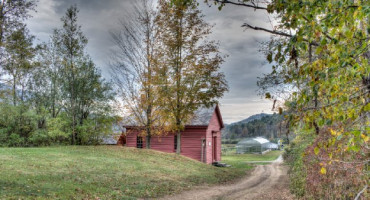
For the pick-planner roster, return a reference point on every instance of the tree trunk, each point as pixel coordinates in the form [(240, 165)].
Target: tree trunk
[(147, 142), (178, 149), (14, 91)]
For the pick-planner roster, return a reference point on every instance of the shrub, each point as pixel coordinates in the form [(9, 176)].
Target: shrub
[(334, 171), (59, 130), (4, 136), (40, 138), (293, 156), (15, 140)]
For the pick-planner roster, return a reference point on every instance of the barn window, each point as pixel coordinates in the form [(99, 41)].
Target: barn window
[(175, 142), (139, 142)]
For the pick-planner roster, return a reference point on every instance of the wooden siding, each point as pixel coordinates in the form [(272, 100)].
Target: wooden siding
[(163, 143), (131, 139), (191, 140), (214, 130)]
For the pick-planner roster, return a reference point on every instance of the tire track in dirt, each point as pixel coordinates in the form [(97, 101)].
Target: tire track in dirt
[(265, 182)]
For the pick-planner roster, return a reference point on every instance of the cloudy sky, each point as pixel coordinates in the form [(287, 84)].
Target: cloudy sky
[(244, 64)]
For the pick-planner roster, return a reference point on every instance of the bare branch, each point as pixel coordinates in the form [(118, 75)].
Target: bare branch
[(362, 191), (254, 6), (274, 32), (267, 30)]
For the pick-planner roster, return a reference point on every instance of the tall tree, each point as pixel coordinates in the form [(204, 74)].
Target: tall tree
[(188, 76), (12, 14), (47, 79), (83, 87), (19, 61), (46, 83), (133, 66), (71, 45)]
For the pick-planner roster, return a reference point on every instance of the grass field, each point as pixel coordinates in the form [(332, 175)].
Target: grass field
[(101, 172), (108, 172), (239, 160)]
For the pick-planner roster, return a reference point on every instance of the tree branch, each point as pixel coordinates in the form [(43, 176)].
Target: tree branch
[(362, 191), (267, 30), (275, 32), (241, 4)]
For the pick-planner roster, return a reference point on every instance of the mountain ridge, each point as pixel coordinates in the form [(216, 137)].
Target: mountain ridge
[(251, 118), (262, 124)]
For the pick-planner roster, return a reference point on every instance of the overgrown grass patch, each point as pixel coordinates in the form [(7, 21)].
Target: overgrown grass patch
[(105, 172)]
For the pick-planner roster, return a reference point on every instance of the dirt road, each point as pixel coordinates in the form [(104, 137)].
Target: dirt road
[(265, 182)]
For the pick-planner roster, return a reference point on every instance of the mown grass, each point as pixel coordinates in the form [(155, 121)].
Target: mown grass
[(102, 172), (239, 160)]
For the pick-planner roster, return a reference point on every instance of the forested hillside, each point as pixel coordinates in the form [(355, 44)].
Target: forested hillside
[(266, 125)]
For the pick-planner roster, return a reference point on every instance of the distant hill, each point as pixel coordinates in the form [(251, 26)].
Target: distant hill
[(266, 125), (253, 117)]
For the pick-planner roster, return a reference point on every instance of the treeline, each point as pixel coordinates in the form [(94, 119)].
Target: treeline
[(51, 93), (163, 68), (268, 126)]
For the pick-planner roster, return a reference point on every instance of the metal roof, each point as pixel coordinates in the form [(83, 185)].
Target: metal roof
[(109, 139), (271, 145), (202, 116), (261, 140), (256, 140)]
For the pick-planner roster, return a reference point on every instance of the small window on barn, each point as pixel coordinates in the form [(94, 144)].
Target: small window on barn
[(175, 143), (139, 142)]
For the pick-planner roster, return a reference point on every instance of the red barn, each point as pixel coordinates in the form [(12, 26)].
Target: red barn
[(201, 139)]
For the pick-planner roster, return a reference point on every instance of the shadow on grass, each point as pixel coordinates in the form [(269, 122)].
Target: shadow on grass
[(13, 189)]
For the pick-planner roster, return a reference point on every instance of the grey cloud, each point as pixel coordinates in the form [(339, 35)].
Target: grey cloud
[(242, 67)]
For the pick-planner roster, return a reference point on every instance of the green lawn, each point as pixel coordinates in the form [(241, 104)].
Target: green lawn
[(102, 172), (239, 160)]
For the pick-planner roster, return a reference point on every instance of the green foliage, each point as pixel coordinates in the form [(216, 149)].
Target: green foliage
[(40, 138), (320, 77), (50, 89), (16, 122), (14, 140), (93, 129), (293, 156)]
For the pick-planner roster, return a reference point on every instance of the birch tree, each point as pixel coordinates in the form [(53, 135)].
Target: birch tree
[(133, 68)]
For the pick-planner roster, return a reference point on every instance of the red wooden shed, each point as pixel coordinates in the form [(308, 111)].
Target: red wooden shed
[(200, 140)]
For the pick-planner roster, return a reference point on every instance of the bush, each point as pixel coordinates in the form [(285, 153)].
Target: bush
[(59, 130), (293, 156), (40, 138), (92, 130), (17, 123), (15, 140), (4, 137), (22, 126), (332, 172)]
